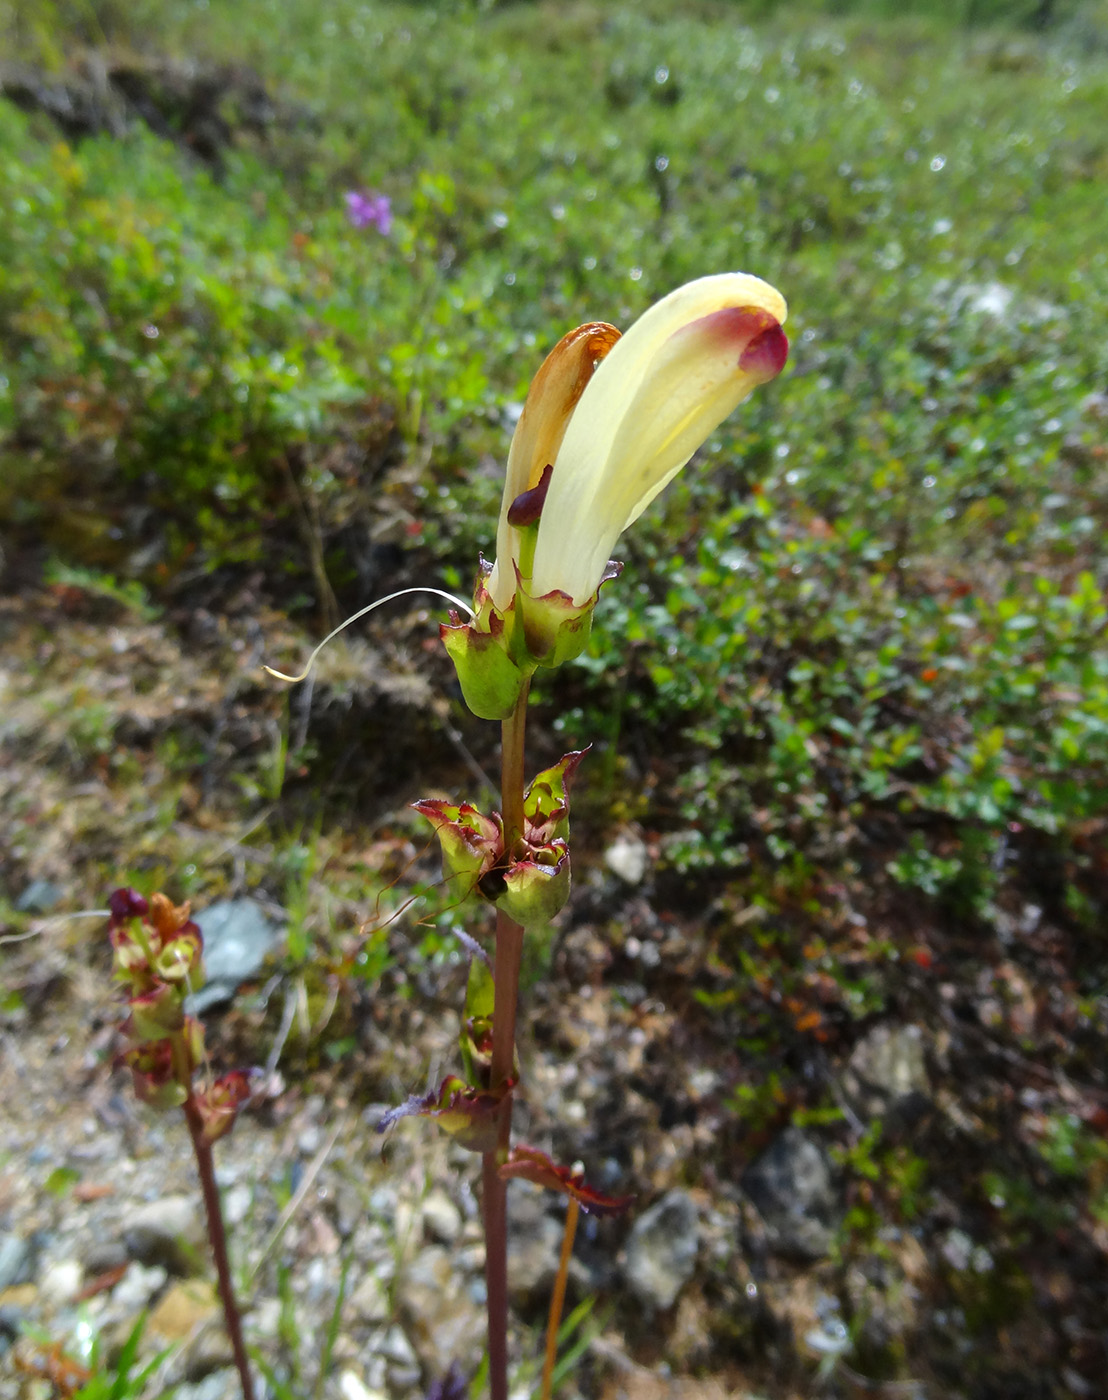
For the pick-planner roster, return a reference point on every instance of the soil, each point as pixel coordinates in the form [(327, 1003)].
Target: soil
[(136, 751)]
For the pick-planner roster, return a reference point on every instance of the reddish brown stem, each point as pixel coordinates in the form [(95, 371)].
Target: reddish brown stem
[(205, 1163), (509, 953)]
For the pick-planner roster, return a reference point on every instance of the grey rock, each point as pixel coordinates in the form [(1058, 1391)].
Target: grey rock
[(137, 1287), (401, 1363), (960, 1252), (169, 1232), (264, 1320), (793, 1188), (439, 1316), (102, 1255), (442, 1219), (352, 1387), (395, 1347), (219, 1385), (61, 1282), (236, 1203), (628, 858), (661, 1252), (40, 897), (17, 1260), (370, 1300), (309, 1140), (534, 1245), (238, 937), (12, 1319), (886, 1075)]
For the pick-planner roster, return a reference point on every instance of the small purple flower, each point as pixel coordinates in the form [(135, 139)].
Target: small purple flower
[(368, 209)]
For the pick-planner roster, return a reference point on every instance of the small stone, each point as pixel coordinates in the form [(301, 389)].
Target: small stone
[(534, 1245), (369, 1301), (403, 1377), (662, 1250), (185, 1306), (887, 1073), (442, 1219), (209, 1351), (264, 1320), (61, 1282), (20, 1295), (440, 1317), (17, 1260), (376, 1370), (138, 1286), (628, 858), (957, 1250), (236, 1203), (220, 1385), (352, 1387), (309, 1140), (40, 897), (395, 1347), (792, 1187), (169, 1232), (104, 1256), (12, 1319), (238, 937)]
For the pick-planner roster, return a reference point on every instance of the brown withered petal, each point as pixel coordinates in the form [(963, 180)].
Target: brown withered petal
[(535, 1166), (167, 917), (554, 393)]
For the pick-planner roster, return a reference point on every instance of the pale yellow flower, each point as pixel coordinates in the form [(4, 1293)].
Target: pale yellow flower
[(619, 418)]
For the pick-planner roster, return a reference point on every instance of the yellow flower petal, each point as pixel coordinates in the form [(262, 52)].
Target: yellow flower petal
[(679, 371)]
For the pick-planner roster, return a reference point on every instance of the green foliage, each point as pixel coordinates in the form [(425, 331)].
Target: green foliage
[(868, 626), (125, 1378)]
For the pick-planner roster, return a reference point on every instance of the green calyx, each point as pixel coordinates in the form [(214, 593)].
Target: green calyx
[(496, 653), (536, 889), (491, 680)]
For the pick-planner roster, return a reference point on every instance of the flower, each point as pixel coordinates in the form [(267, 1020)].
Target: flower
[(616, 437), (368, 209), (529, 882), (609, 421)]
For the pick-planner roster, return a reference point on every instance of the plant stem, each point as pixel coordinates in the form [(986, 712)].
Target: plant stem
[(217, 1235), (513, 733), (558, 1298), (509, 953)]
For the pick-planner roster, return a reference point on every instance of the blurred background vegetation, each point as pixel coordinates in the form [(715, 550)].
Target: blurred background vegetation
[(879, 595), (857, 660)]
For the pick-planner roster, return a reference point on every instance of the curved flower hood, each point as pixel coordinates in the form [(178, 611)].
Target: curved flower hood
[(618, 435)]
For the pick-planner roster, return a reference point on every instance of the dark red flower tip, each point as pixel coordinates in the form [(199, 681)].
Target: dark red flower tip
[(127, 904), (767, 352)]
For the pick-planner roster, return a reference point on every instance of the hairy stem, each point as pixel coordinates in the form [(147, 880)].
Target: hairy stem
[(509, 952), (217, 1235)]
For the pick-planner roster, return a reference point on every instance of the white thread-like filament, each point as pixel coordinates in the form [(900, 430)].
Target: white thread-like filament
[(293, 680)]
